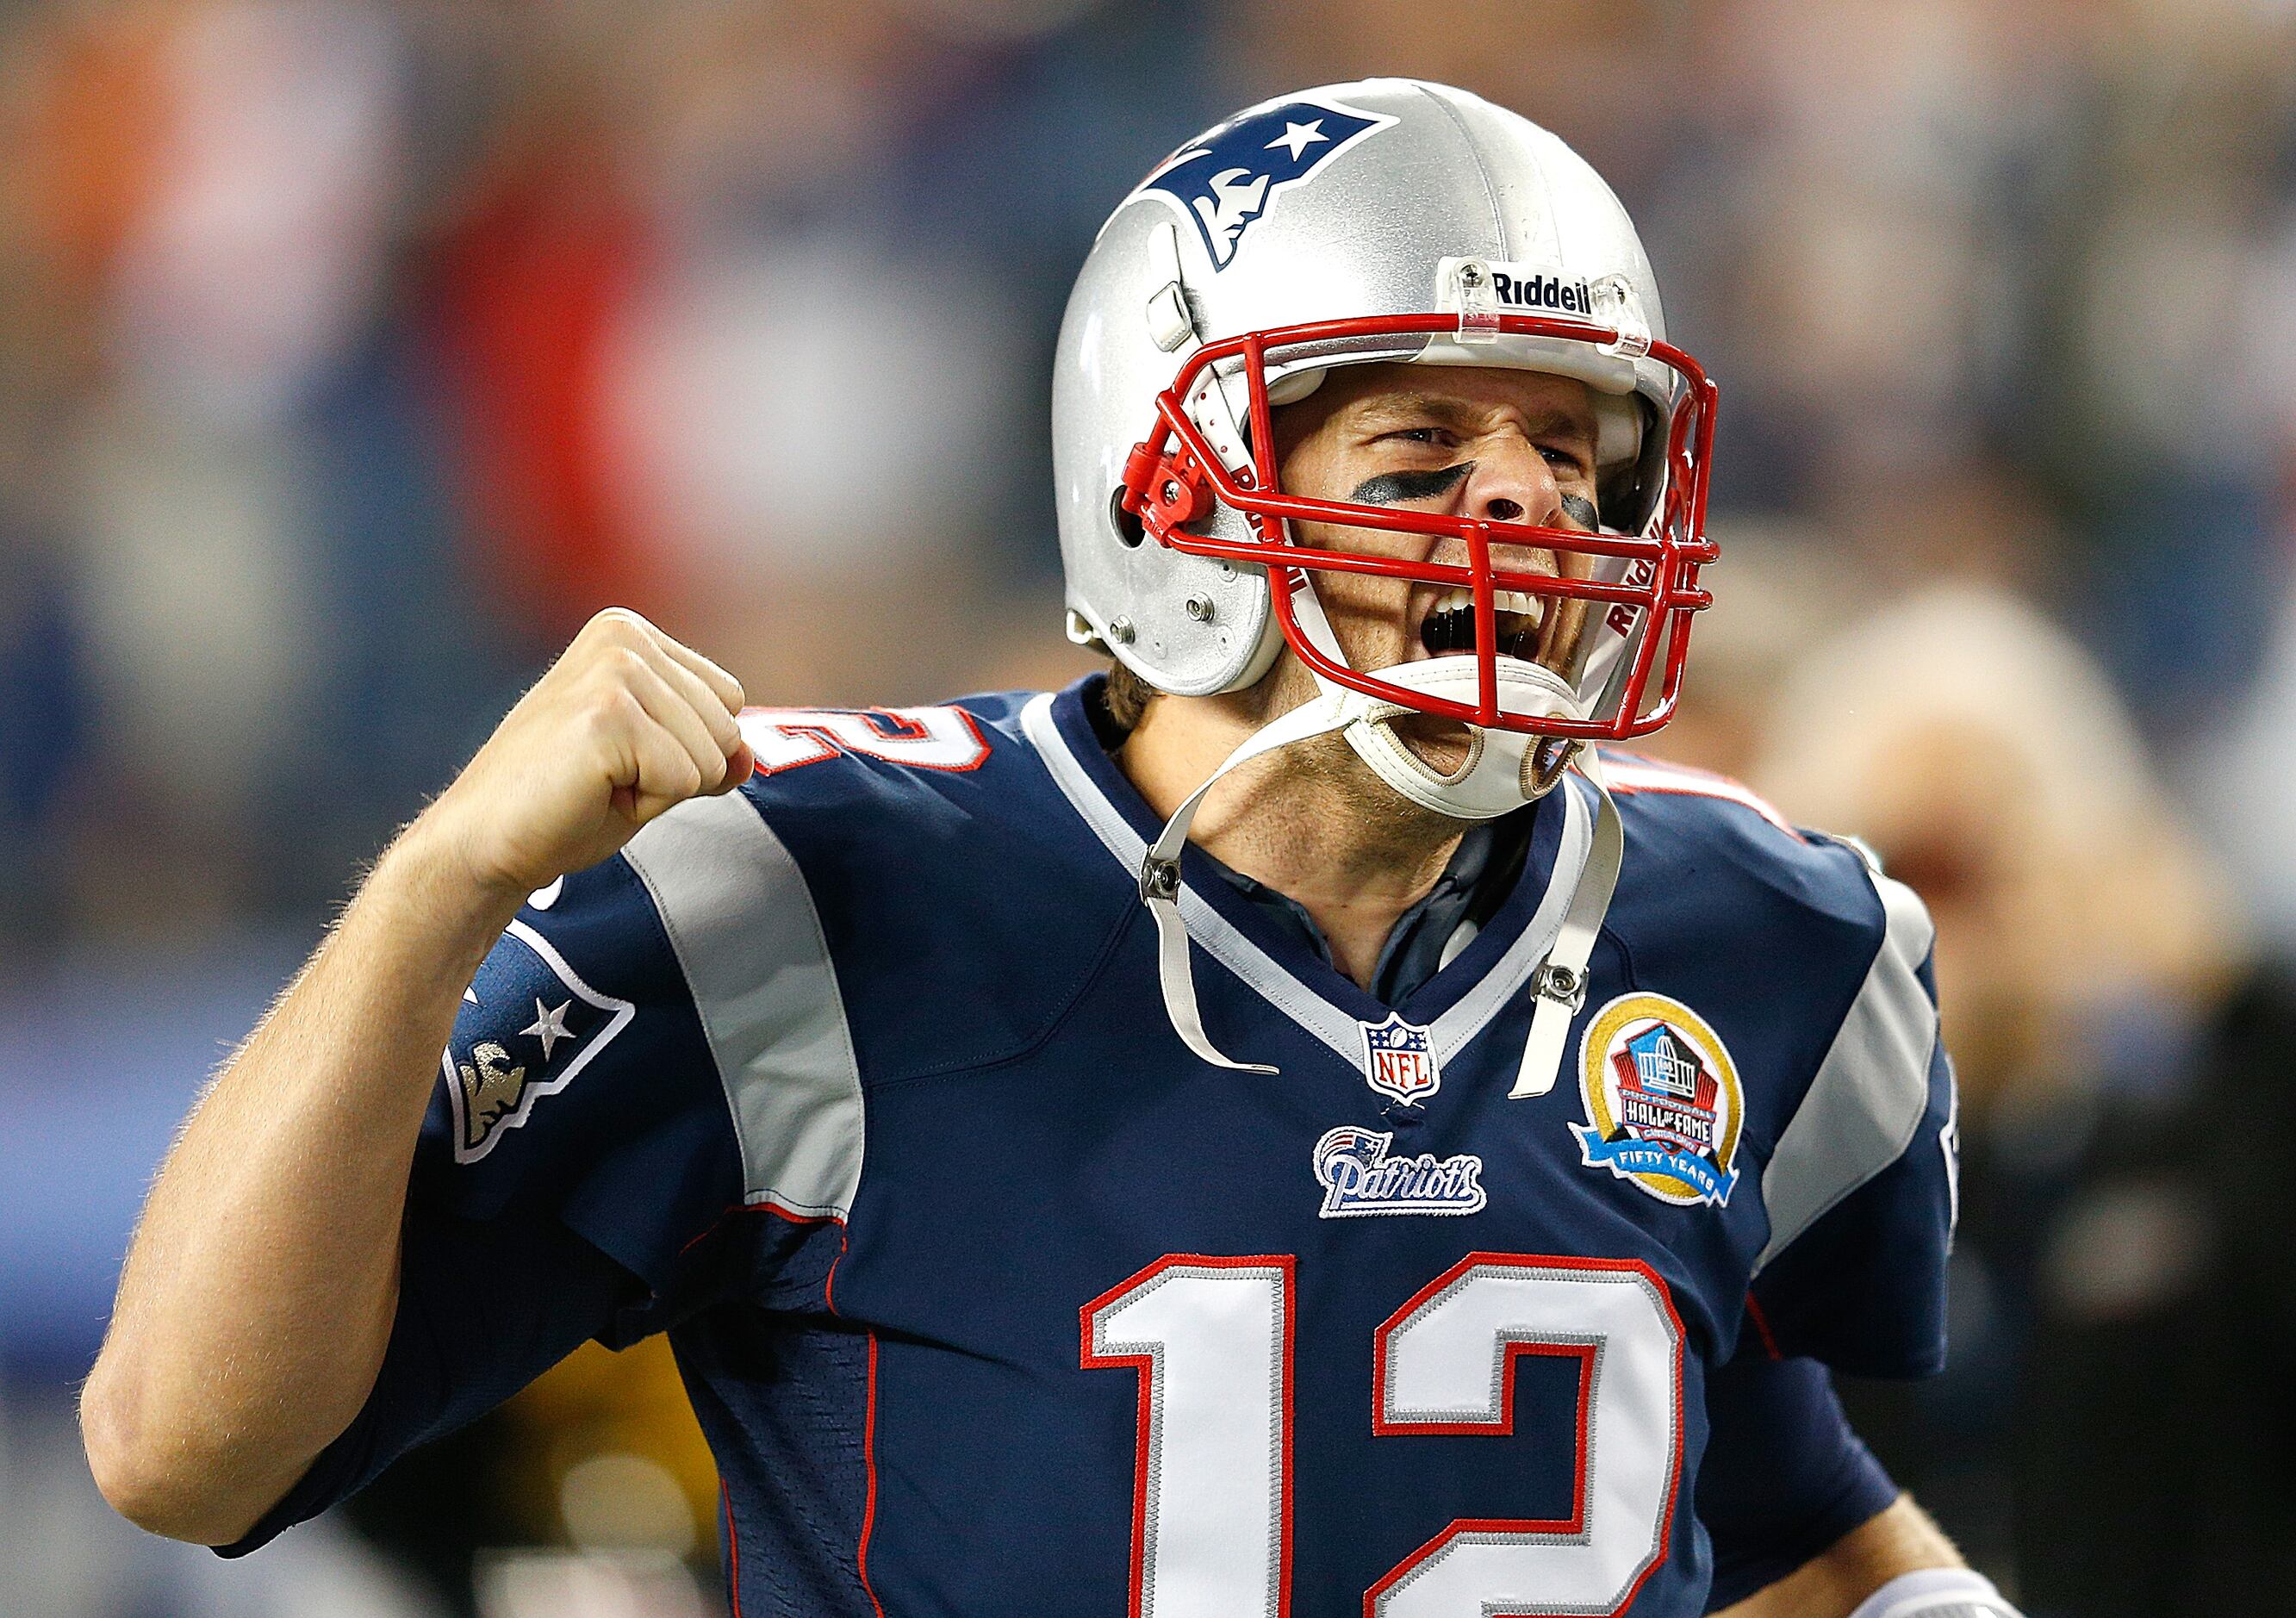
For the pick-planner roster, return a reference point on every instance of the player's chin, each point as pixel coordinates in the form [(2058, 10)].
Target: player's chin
[(1442, 745)]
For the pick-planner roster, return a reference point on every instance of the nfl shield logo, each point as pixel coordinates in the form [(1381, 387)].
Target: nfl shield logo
[(1399, 1060)]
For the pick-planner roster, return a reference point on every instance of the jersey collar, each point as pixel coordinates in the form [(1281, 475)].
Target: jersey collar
[(1455, 1006)]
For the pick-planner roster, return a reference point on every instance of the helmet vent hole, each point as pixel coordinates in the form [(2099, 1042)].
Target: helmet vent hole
[(1129, 531)]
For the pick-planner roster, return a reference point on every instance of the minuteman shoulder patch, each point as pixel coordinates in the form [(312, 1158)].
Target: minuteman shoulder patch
[(1662, 1098), (528, 1024)]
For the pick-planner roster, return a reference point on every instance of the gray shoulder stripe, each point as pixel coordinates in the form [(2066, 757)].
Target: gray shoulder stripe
[(750, 942), (1871, 1091)]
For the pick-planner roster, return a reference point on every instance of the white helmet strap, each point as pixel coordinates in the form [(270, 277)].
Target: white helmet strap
[(1495, 778), (1160, 888), (1503, 769)]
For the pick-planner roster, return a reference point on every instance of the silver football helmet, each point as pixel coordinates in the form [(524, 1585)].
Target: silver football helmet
[(1387, 220)]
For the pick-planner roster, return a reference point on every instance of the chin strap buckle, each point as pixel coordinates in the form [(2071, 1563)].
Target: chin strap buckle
[(1158, 879), (1560, 983)]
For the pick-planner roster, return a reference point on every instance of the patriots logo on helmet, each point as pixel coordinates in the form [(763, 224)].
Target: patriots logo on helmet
[(1226, 181)]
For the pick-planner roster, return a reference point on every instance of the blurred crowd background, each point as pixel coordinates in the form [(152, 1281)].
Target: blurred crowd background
[(353, 351)]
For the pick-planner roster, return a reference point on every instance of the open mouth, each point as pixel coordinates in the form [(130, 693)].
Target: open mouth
[(1449, 626)]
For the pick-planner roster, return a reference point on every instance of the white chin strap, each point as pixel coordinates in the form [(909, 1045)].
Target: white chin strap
[(1504, 770)]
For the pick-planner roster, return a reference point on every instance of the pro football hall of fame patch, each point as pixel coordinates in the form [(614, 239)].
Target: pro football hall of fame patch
[(1662, 1098)]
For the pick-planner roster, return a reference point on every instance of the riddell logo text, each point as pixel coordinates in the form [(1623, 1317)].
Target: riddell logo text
[(1541, 291)]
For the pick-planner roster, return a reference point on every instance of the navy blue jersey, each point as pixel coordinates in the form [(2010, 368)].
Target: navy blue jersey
[(992, 1298)]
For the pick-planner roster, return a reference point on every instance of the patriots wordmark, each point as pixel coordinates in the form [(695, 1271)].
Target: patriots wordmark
[(1358, 1177)]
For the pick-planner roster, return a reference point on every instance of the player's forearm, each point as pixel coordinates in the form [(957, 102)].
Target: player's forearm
[(258, 1297), (1901, 1539)]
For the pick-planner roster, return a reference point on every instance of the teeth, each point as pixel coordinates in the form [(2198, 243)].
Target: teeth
[(1505, 601)]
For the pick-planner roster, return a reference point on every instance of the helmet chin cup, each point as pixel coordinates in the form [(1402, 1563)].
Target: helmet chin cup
[(1503, 769)]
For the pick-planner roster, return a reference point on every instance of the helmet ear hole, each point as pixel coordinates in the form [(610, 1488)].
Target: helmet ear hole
[(1128, 528), (1130, 534)]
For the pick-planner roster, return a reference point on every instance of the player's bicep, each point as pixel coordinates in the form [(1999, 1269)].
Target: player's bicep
[(576, 1147), (1860, 1191), (1783, 1477), (483, 1309)]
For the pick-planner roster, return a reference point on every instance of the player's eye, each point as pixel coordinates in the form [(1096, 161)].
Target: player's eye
[(1420, 435), (1563, 458)]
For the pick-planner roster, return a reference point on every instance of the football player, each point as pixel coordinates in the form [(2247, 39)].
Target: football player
[(1289, 1125)]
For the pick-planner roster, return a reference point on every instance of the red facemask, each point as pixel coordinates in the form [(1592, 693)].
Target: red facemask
[(1647, 580)]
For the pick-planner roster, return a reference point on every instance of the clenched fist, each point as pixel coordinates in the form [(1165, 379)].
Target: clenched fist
[(626, 724)]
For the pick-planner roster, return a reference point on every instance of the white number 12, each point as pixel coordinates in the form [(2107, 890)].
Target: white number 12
[(1210, 1339)]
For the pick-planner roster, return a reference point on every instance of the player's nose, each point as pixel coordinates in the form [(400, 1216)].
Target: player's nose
[(1513, 482)]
